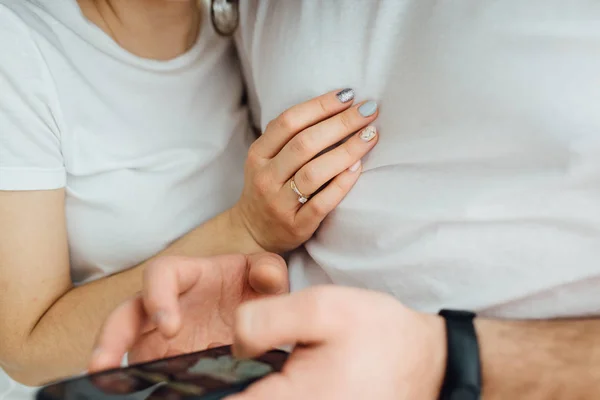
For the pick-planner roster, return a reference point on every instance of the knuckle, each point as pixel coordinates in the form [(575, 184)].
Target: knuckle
[(289, 226), (288, 223), (346, 121), (293, 231), (318, 209), (262, 183), (322, 104), (347, 153), (253, 156), (272, 124), (339, 186), (286, 121), (303, 144), (307, 176), (276, 210)]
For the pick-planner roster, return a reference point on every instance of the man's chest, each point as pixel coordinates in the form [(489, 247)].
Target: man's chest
[(497, 78), (294, 51), (487, 167)]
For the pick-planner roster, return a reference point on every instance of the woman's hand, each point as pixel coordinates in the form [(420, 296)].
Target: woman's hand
[(288, 165), (186, 305)]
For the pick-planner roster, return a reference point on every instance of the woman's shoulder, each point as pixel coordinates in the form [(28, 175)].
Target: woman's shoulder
[(19, 56), (21, 61), (14, 16), (30, 152), (36, 22), (25, 15)]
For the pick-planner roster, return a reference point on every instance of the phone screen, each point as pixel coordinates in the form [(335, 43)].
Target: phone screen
[(206, 375)]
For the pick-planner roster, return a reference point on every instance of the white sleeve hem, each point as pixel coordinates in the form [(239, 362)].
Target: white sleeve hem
[(17, 179)]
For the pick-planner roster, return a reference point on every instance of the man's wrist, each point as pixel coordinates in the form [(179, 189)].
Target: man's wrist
[(438, 350)]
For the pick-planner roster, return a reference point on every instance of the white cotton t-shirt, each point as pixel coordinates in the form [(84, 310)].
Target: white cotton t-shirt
[(484, 190), (146, 150)]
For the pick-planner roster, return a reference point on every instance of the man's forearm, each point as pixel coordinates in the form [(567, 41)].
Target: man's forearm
[(558, 359), (62, 340)]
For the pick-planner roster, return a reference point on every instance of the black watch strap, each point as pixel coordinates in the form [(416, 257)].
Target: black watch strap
[(463, 368)]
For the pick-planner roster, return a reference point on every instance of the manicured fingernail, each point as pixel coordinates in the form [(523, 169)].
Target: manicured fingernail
[(355, 167), (368, 133), (345, 95), (367, 109)]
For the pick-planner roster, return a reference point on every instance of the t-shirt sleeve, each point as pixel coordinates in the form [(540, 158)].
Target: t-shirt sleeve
[(30, 141)]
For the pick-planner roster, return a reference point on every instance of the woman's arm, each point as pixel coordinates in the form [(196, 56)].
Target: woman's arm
[(47, 327)]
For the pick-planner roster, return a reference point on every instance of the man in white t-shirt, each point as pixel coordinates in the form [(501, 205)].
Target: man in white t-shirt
[(484, 192), (483, 195)]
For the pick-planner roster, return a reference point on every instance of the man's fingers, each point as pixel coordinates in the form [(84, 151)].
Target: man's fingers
[(268, 273), (118, 335), (304, 317), (169, 277), (300, 117)]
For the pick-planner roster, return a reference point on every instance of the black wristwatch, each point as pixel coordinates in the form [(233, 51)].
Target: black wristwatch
[(463, 368)]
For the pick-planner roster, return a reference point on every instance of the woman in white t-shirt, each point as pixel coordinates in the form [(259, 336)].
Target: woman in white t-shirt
[(123, 136)]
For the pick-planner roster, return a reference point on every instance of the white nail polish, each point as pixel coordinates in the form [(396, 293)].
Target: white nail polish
[(355, 167), (368, 133)]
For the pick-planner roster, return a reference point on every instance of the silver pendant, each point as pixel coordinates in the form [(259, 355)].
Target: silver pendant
[(225, 16)]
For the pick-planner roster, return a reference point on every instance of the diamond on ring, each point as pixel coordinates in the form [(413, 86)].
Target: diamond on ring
[(302, 199)]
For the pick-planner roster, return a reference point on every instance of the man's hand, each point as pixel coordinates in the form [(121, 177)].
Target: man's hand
[(187, 304), (351, 344)]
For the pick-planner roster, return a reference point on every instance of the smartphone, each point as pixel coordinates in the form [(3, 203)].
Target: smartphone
[(207, 375)]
